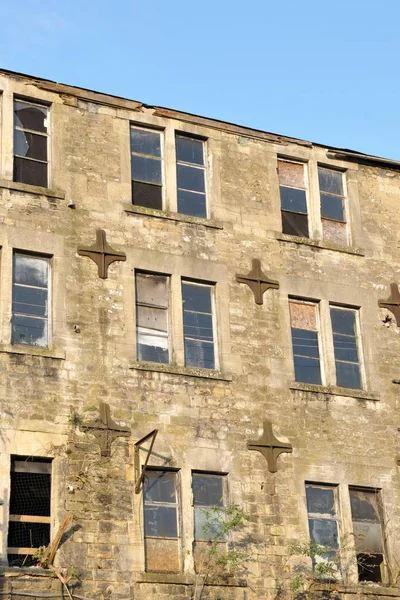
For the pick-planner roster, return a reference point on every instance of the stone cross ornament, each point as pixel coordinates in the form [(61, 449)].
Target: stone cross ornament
[(393, 302), (257, 281), (102, 253), (269, 447), (105, 430)]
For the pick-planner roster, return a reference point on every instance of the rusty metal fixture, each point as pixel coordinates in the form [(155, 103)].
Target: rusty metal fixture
[(393, 302), (269, 447), (257, 281), (140, 473), (102, 253), (105, 430)]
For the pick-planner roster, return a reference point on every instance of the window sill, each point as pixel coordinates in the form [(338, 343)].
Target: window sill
[(33, 351), (8, 571), (364, 587), (175, 370), (332, 390), (171, 216), (321, 244), (31, 189), (181, 579)]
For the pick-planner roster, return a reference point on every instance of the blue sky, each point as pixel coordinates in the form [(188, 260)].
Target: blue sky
[(323, 71)]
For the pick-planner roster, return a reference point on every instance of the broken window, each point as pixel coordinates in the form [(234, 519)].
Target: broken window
[(191, 176), (161, 528), (146, 166), (30, 143), (367, 528), (345, 343), (304, 320), (152, 315), (30, 300), (293, 192), (332, 205), (29, 519), (198, 328), (323, 520)]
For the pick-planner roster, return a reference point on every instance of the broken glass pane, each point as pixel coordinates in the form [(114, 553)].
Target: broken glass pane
[(370, 567), (368, 537), (320, 500), (332, 207), (30, 172), (160, 521), (207, 524), (189, 150), (207, 490), (31, 270), (330, 181), (293, 200), (190, 178), (145, 142), (324, 532), (29, 116), (192, 203), (30, 145), (146, 169), (364, 505), (159, 486), (28, 535)]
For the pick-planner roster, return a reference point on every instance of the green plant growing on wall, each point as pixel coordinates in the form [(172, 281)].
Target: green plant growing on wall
[(218, 556)]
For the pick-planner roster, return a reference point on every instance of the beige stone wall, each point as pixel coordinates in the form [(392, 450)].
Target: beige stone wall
[(204, 419)]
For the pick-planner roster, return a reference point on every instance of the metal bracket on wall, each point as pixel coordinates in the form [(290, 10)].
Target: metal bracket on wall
[(140, 473)]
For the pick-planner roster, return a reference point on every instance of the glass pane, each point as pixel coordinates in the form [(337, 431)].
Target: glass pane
[(38, 486), (159, 486), (305, 343), (30, 145), (207, 527), (147, 195), (146, 169), (348, 375), (189, 150), (30, 172), (152, 289), (199, 354), (343, 321), (29, 331), (293, 200), (324, 532), (29, 301), (295, 224), (29, 116), (207, 490), (345, 347), (307, 370), (197, 325), (30, 270), (145, 142), (160, 521), (320, 500), (332, 207), (196, 297), (191, 203), (28, 535), (190, 178), (364, 505), (148, 350), (330, 181), (368, 537)]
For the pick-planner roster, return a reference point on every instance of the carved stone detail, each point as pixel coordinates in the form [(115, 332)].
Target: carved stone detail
[(269, 447), (257, 281), (102, 253), (105, 430)]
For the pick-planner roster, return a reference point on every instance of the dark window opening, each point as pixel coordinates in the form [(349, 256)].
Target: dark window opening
[(30, 143), (146, 167), (293, 198), (367, 528)]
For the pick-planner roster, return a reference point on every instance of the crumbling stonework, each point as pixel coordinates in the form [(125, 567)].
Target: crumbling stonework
[(205, 417)]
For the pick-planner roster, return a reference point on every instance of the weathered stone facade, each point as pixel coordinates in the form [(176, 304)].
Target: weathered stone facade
[(50, 396)]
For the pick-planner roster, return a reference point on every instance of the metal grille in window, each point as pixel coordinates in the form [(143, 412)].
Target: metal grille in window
[(332, 205), (191, 176), (323, 520), (146, 166), (304, 326), (29, 519), (152, 315), (30, 143), (198, 325), (30, 300), (345, 343), (293, 198)]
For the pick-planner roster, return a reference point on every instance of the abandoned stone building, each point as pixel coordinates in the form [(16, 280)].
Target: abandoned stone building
[(196, 318)]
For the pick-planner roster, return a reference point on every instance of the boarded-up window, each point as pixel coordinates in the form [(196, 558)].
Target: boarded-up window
[(323, 519), (146, 166), (191, 176), (152, 317), (293, 198), (332, 205), (161, 529), (198, 325), (305, 326), (29, 519), (30, 300), (30, 143), (367, 528), (345, 342)]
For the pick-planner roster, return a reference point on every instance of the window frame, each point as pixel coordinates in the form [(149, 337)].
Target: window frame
[(358, 338), (345, 204), (204, 167), (161, 132), (306, 189), (322, 358), (224, 486)]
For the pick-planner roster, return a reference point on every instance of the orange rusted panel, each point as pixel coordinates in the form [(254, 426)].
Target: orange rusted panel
[(291, 174), (303, 316), (162, 554)]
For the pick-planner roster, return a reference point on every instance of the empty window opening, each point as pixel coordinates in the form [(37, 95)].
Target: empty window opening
[(305, 327), (198, 326), (30, 143), (146, 166), (152, 317), (29, 519), (160, 497), (30, 300), (323, 520), (191, 176), (293, 192), (345, 343), (332, 205), (367, 528)]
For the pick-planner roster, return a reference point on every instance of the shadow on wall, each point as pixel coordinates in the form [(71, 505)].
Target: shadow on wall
[(3, 532)]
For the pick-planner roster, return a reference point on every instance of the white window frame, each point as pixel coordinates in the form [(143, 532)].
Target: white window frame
[(204, 167), (161, 131)]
